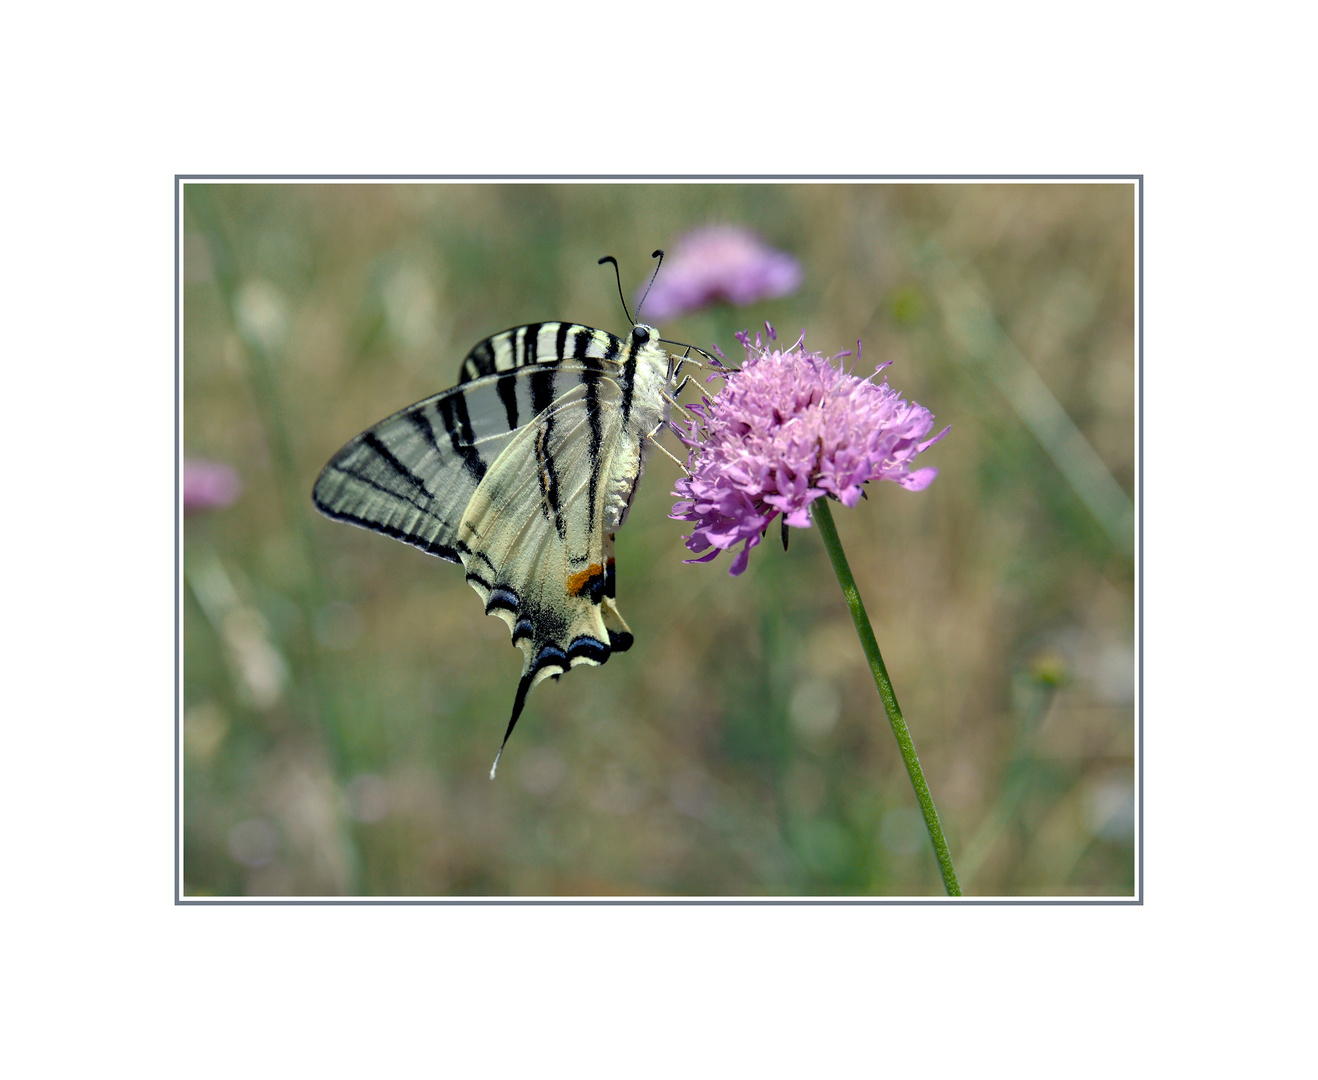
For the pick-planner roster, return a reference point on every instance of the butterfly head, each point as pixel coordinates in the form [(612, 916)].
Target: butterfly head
[(646, 338)]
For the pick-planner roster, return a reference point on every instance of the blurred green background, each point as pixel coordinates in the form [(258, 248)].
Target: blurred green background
[(344, 695)]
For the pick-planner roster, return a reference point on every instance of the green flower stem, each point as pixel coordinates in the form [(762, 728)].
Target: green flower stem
[(823, 517)]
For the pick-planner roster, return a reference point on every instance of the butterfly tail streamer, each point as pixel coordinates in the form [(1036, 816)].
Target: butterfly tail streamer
[(519, 702)]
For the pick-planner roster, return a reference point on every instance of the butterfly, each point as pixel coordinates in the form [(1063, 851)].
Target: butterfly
[(522, 473)]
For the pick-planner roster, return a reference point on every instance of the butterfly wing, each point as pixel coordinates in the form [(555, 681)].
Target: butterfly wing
[(521, 472), (533, 538)]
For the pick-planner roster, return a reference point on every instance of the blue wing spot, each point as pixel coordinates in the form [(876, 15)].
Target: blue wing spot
[(550, 655), (501, 597), (589, 647)]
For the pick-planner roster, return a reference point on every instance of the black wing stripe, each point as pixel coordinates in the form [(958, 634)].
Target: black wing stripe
[(392, 493), (591, 377), (431, 547), (480, 361), (463, 549), (424, 427), (457, 423), (628, 379), (530, 345), (581, 342), (551, 503), (542, 389), (372, 440), (507, 388), (542, 397)]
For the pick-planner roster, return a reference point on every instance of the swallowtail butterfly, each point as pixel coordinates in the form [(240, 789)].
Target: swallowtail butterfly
[(522, 472)]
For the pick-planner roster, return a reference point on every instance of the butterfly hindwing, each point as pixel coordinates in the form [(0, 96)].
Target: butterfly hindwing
[(534, 540)]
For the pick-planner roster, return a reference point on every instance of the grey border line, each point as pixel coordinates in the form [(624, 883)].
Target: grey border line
[(753, 901), (178, 536), (856, 177), (182, 901), (1139, 581)]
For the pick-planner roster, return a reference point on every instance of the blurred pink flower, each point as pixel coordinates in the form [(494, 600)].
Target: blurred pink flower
[(787, 429), (208, 485), (720, 262)]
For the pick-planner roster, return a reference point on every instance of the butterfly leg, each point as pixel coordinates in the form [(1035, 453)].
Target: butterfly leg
[(660, 446)]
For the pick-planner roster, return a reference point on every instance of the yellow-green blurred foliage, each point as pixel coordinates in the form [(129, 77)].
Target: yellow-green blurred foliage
[(344, 694)]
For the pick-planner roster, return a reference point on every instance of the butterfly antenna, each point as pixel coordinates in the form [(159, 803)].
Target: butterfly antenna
[(658, 253), (610, 259), (697, 348)]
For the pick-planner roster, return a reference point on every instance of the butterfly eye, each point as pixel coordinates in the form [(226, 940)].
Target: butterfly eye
[(641, 333)]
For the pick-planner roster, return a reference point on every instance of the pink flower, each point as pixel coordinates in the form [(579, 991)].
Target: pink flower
[(787, 429), (208, 485), (720, 262)]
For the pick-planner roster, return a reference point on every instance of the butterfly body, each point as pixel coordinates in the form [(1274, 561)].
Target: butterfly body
[(522, 473)]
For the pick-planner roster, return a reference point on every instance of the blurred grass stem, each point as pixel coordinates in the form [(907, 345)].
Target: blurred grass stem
[(981, 342), (1020, 776), (293, 495), (823, 517)]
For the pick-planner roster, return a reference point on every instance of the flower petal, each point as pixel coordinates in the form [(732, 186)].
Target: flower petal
[(918, 480), (788, 428)]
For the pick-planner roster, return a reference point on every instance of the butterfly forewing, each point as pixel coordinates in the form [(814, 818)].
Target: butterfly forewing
[(412, 475), (539, 343)]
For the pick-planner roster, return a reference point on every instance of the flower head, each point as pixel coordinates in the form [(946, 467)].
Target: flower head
[(208, 485), (788, 428), (720, 262)]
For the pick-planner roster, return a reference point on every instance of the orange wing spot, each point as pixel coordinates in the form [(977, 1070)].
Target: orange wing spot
[(580, 582)]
